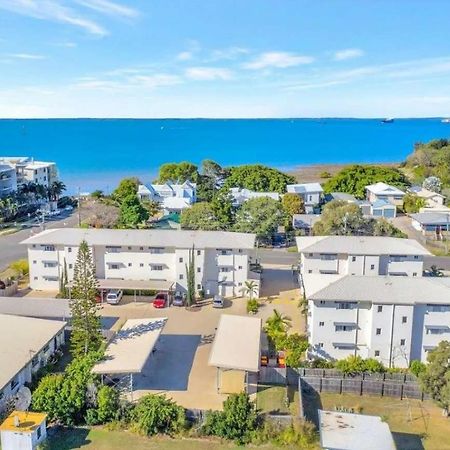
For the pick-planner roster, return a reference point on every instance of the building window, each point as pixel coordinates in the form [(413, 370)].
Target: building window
[(129, 264), (343, 328), (239, 267), (34, 262), (49, 248), (199, 252), (70, 266), (321, 324), (416, 257), (181, 277), (378, 332), (414, 274), (224, 269), (35, 278), (404, 319), (180, 260), (380, 308), (69, 250), (114, 266), (309, 271), (322, 302), (14, 383), (320, 344), (129, 248), (353, 258), (141, 264), (141, 248), (372, 266), (328, 257), (239, 284), (199, 286), (48, 264), (310, 255), (377, 352), (156, 250), (199, 269), (402, 342), (344, 305), (157, 267), (39, 433)]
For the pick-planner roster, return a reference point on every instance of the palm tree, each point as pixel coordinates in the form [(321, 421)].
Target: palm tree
[(55, 190), (277, 323), (250, 288)]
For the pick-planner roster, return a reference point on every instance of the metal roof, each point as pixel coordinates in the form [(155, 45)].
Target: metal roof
[(386, 289), (151, 238), (384, 189), (431, 218), (44, 308), (21, 338), (360, 245), (305, 188), (237, 344), (131, 347)]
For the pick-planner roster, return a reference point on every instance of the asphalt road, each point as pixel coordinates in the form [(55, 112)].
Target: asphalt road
[(10, 248)]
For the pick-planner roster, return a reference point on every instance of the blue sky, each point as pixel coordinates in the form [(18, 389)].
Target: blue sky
[(227, 58)]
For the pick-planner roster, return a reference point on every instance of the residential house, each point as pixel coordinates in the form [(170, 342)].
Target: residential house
[(148, 258), (26, 344), (432, 199), (434, 225), (305, 222), (8, 179), (172, 197), (383, 191), (383, 209), (311, 193), (392, 319), (240, 196)]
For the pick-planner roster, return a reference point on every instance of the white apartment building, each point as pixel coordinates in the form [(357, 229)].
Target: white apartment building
[(359, 255), (150, 256), (8, 179), (30, 171), (311, 193), (392, 319), (26, 344)]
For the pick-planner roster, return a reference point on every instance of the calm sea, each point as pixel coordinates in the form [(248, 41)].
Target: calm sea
[(94, 153)]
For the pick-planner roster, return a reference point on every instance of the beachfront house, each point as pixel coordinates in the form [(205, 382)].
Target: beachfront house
[(26, 345), (145, 259), (433, 225), (8, 179), (311, 193), (432, 199), (392, 319), (241, 195), (172, 197), (383, 191)]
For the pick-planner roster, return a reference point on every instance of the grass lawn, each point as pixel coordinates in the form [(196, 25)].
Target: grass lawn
[(272, 399), (409, 420)]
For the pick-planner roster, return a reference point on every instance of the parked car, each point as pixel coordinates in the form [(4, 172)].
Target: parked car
[(178, 300), (218, 301), (69, 208), (114, 296), (161, 300)]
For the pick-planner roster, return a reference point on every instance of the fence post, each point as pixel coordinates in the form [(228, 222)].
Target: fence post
[(401, 392), (361, 388), (320, 384), (340, 387), (382, 388)]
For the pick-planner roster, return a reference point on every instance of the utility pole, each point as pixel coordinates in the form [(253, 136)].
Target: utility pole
[(79, 208)]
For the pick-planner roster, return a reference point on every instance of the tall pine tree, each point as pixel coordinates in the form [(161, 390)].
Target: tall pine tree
[(190, 279), (86, 328)]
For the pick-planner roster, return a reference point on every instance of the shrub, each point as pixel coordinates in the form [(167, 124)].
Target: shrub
[(236, 422), (295, 346), (417, 367), (356, 364), (20, 266), (155, 414), (107, 408), (325, 174), (252, 306)]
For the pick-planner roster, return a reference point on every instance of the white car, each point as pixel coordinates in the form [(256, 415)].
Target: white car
[(218, 301), (114, 296)]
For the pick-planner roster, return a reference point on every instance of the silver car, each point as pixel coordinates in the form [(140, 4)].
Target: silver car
[(114, 296), (218, 301)]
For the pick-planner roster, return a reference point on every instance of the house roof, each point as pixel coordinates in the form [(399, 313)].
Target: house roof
[(431, 218), (45, 308), (23, 421), (384, 189), (386, 289), (305, 220), (360, 245), (424, 193), (175, 203), (151, 238), (383, 204), (130, 348), (305, 188), (237, 344), (343, 196), (20, 339), (347, 431), (241, 195)]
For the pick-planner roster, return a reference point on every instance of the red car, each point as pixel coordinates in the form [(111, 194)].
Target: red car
[(161, 300)]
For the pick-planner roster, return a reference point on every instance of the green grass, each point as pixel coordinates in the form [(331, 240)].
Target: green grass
[(272, 399)]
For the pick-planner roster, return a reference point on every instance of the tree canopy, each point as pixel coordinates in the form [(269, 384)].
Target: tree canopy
[(178, 172), (127, 187), (200, 216), (355, 178), (132, 212), (292, 204), (257, 177)]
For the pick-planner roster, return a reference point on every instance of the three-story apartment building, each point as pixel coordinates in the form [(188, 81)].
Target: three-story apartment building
[(221, 259), (393, 319)]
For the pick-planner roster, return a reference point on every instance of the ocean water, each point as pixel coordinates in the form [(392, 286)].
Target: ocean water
[(95, 153)]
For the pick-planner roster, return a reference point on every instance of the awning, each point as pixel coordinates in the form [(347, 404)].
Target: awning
[(343, 345), (237, 344), (437, 327), (345, 324), (131, 347), (138, 285)]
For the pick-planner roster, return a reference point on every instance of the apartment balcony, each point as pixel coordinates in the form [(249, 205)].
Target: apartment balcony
[(398, 267), (225, 276), (329, 266), (225, 260)]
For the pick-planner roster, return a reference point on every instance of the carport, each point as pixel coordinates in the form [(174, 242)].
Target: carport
[(236, 352), (128, 352)]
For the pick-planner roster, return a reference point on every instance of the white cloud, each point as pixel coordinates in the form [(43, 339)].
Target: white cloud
[(348, 53), (184, 56), (228, 53), (208, 73), (109, 8), (26, 56), (156, 80), (66, 44), (280, 60)]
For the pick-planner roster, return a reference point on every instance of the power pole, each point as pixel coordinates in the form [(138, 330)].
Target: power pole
[(79, 208)]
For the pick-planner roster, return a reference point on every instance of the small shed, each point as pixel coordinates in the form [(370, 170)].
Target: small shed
[(23, 430), (236, 352)]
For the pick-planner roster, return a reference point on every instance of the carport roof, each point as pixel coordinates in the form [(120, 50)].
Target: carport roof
[(237, 344), (131, 347), (155, 285)]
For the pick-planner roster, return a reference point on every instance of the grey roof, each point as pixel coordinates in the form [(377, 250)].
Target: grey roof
[(343, 196), (360, 245), (305, 220), (386, 289), (151, 238), (431, 218), (45, 308), (20, 339), (304, 188)]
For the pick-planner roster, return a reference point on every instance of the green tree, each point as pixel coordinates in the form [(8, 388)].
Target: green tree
[(257, 177), (178, 172), (354, 179), (250, 288), (155, 414), (417, 367), (276, 328), (47, 397), (86, 328), (21, 267), (259, 215), (200, 216), (97, 194), (292, 204), (351, 365), (382, 227), (63, 282), (294, 346), (190, 278), (236, 422), (132, 213), (128, 187), (222, 206), (412, 203), (436, 378), (152, 207), (107, 406)]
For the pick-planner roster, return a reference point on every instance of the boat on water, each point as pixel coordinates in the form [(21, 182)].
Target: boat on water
[(387, 120), (445, 120)]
